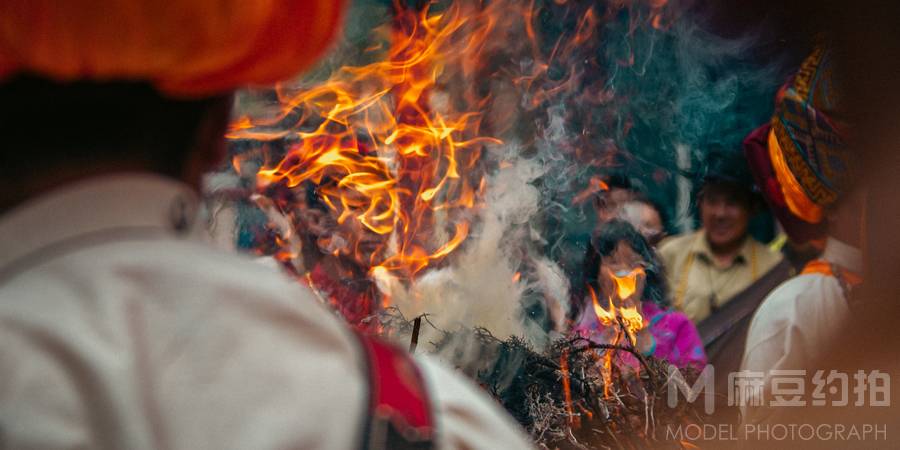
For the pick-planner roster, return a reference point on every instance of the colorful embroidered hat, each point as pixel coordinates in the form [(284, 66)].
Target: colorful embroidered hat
[(186, 48), (800, 160), (757, 152)]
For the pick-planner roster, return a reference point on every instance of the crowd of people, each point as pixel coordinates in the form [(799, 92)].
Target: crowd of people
[(775, 307)]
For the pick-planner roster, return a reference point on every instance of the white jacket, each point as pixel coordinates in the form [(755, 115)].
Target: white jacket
[(120, 329), (794, 323)]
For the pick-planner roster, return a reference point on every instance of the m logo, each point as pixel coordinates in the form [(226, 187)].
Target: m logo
[(705, 383)]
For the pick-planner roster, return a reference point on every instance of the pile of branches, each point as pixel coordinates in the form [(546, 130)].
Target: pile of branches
[(559, 394)]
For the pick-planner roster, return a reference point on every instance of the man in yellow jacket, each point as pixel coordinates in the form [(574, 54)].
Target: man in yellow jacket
[(708, 268)]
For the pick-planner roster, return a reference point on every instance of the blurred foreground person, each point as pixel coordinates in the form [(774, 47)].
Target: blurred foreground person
[(118, 327), (710, 267), (805, 169), (869, 339)]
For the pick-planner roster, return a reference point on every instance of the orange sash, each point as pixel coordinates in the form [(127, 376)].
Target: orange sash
[(846, 277)]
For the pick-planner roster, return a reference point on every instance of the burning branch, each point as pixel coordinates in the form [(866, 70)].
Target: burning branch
[(556, 394)]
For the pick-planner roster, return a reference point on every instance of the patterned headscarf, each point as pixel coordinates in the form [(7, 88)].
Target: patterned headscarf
[(807, 142), (800, 159)]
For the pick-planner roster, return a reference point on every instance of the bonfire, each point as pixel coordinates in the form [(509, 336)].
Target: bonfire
[(420, 175)]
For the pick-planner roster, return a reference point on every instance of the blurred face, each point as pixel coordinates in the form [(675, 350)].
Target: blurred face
[(608, 204), (725, 217), (645, 219)]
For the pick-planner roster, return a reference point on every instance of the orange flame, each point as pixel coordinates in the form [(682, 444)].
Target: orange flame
[(606, 316), (656, 14), (567, 390), (595, 186), (393, 153), (383, 149), (631, 318), (626, 285)]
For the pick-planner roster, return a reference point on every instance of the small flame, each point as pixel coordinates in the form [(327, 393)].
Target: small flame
[(567, 389), (656, 13), (629, 318), (595, 186), (633, 322), (606, 316), (626, 284)]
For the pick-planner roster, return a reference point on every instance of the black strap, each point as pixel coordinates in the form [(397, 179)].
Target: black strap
[(742, 306)]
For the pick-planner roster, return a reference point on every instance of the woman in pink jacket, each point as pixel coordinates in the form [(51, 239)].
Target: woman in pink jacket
[(617, 250)]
